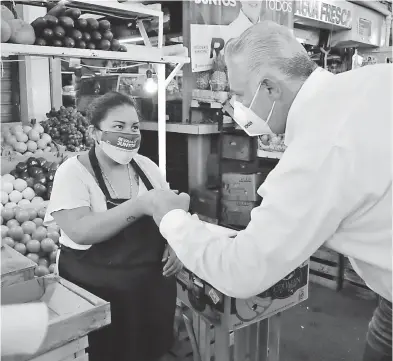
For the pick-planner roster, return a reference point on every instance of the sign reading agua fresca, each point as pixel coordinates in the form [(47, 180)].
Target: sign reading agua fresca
[(338, 13)]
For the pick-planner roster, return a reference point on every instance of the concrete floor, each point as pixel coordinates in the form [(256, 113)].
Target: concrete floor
[(329, 326)]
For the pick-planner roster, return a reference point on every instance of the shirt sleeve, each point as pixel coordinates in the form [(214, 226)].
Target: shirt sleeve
[(304, 201), (69, 191)]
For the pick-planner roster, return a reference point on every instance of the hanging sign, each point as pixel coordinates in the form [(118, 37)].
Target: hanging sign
[(217, 21), (364, 28), (335, 13)]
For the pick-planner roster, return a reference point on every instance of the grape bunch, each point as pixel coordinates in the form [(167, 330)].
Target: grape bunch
[(68, 127)]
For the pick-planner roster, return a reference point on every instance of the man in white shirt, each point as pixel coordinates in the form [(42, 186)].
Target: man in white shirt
[(333, 185)]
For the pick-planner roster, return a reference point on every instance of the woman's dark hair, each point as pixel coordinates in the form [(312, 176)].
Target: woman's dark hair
[(100, 107)]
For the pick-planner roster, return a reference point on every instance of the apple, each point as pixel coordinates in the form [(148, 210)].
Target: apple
[(7, 187), (4, 197), (20, 185), (15, 196), (28, 193)]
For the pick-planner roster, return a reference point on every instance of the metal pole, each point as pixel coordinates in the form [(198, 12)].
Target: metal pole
[(161, 117)]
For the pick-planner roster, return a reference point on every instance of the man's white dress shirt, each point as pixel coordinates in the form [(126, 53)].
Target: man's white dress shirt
[(333, 186)]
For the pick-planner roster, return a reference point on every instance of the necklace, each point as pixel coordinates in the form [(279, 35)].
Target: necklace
[(113, 189)]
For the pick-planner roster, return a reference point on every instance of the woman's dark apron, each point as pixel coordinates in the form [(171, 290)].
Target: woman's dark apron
[(126, 271)]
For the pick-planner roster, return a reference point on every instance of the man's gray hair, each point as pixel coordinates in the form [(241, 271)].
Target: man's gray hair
[(270, 45)]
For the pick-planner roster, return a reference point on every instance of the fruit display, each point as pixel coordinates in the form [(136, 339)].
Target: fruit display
[(64, 27), (272, 143), (68, 127), (23, 230), (26, 140), (29, 184), (14, 30), (216, 79)]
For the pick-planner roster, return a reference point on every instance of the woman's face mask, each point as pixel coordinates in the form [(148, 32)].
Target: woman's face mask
[(121, 147), (250, 122)]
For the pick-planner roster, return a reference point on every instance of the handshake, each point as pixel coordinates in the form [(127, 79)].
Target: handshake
[(158, 202)]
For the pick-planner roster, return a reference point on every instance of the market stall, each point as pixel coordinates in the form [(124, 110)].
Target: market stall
[(32, 151), (225, 166)]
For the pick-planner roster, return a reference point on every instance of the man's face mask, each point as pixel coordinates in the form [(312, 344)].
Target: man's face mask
[(250, 122), (121, 147)]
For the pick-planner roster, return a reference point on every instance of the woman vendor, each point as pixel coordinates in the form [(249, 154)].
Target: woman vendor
[(110, 244)]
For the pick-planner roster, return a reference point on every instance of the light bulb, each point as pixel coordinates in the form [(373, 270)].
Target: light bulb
[(150, 86)]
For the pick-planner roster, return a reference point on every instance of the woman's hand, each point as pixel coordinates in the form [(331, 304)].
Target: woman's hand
[(147, 201), (173, 264)]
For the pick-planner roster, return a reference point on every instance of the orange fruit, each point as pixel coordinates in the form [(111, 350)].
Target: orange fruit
[(33, 256), (16, 233), (41, 271), (33, 246), (29, 227), (47, 245), (21, 248)]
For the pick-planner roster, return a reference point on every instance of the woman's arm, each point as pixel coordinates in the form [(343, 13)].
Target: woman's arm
[(86, 227)]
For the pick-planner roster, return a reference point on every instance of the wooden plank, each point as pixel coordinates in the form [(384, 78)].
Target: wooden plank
[(332, 284), (15, 267), (135, 53), (323, 268), (253, 346), (65, 351), (326, 254), (359, 290), (71, 324)]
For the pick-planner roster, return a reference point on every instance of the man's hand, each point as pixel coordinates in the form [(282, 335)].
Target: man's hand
[(173, 264), (166, 201), (146, 202)]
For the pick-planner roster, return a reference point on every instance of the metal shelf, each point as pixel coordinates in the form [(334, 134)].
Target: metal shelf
[(136, 53), (182, 128), (270, 155)]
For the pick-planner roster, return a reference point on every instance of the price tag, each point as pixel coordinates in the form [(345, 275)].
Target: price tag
[(214, 296), (75, 63)]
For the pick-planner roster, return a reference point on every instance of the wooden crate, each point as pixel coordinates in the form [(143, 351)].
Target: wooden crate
[(15, 267), (325, 268), (355, 284), (73, 313)]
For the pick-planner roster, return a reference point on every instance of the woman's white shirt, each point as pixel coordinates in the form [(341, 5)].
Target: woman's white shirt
[(74, 187)]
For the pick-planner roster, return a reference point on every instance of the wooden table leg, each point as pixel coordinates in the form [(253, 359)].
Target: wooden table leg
[(241, 344), (274, 338), (253, 345), (205, 338), (221, 349), (262, 340)]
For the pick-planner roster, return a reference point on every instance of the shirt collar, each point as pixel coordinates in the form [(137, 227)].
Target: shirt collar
[(311, 86)]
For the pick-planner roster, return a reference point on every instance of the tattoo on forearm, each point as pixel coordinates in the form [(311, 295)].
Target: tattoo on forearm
[(131, 219)]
